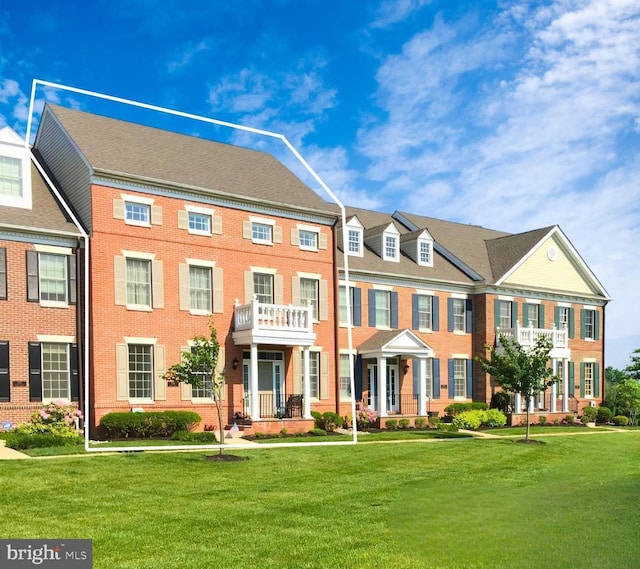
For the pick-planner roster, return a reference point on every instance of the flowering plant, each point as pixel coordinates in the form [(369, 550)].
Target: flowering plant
[(241, 416), (365, 415), (56, 417)]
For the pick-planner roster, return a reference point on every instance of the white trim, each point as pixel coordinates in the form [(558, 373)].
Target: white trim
[(589, 307), (53, 249), (382, 287), (424, 292), (589, 360), (54, 304), (55, 339), (563, 304), (263, 270), (140, 340), (503, 297), (309, 275), (460, 357), (261, 220), (199, 209), (200, 263), (137, 199), (532, 301), (138, 255), (461, 296), (304, 227)]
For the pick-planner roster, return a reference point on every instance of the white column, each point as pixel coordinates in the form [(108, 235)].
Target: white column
[(565, 386), (422, 385), (554, 390), (517, 404), (532, 403), (253, 382), (382, 386), (306, 383)]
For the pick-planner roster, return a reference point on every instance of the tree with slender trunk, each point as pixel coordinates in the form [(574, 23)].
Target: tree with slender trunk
[(198, 368), (518, 369)]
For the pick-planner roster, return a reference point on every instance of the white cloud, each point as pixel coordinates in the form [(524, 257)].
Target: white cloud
[(185, 57), (12, 96), (393, 11)]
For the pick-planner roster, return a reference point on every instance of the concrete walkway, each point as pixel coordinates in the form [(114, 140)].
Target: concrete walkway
[(9, 453)]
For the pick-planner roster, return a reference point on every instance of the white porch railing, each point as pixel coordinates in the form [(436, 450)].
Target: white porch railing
[(528, 336), (259, 316)]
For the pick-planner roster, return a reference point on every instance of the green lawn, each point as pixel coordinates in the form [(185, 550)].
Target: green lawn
[(481, 504)]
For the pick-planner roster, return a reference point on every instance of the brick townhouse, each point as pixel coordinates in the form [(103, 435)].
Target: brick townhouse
[(39, 243), (427, 295), (183, 230)]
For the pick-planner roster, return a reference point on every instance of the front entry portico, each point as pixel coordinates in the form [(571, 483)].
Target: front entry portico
[(383, 353)]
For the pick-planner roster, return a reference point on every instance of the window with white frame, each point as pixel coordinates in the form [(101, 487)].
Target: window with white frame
[(345, 379), (354, 240), (10, 176), (55, 372), (52, 270), (263, 287), (590, 324), (505, 314), (199, 223), (533, 312), (563, 317), (136, 213), (425, 253), (200, 288), (425, 312), (428, 376), (383, 307), (205, 389), (390, 246), (560, 376), (308, 239), (309, 294), (314, 374), (138, 282), (460, 378), (459, 315), (342, 293), (140, 371), (261, 232), (588, 379)]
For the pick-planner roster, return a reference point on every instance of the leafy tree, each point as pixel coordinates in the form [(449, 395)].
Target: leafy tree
[(613, 378), (628, 396), (198, 368), (518, 369), (633, 369)]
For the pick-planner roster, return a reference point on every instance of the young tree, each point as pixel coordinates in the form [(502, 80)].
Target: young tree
[(520, 370), (198, 368)]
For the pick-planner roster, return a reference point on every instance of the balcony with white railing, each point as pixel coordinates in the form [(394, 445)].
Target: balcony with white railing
[(261, 323), (527, 336)]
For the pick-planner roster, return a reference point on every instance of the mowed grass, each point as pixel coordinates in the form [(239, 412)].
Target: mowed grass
[(465, 504)]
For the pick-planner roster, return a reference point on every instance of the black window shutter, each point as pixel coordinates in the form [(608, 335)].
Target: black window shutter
[(415, 317), (5, 380), (33, 292), (372, 308), (3, 273), (72, 279), (35, 372), (435, 313), (357, 306), (357, 377), (469, 315), (394, 309), (75, 376)]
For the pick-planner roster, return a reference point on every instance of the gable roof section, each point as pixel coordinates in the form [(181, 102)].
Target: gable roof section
[(395, 342), (120, 149), (505, 252)]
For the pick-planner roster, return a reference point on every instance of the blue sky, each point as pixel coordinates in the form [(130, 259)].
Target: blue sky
[(513, 115)]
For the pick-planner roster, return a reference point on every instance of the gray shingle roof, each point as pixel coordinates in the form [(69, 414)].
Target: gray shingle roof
[(127, 149), (505, 252), (45, 213)]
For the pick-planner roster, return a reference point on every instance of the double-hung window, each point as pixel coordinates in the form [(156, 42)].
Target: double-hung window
[(314, 374), (309, 294), (140, 371), (504, 314), (205, 389), (345, 378), (460, 377), (200, 293), (425, 311), (383, 308), (390, 246), (563, 317), (138, 282), (136, 213), (589, 324), (588, 379), (10, 176), (53, 277), (263, 287), (459, 314), (308, 240), (55, 372), (354, 240), (199, 223), (424, 252), (261, 233)]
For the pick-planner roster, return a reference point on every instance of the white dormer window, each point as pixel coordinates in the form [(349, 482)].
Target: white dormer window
[(15, 171), (354, 237), (425, 252), (391, 244)]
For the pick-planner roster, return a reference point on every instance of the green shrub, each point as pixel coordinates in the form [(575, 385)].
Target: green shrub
[(188, 436), (448, 427), (420, 422), (22, 441), (495, 418), (619, 420), (55, 418), (404, 423), (605, 415), (149, 424), (456, 408), (319, 421), (469, 419), (589, 414), (434, 421), (542, 420), (569, 419), (330, 422), (317, 432), (283, 432), (391, 424)]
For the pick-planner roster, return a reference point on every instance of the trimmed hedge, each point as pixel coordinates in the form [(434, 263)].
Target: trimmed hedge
[(456, 408), (149, 424), (23, 441)]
